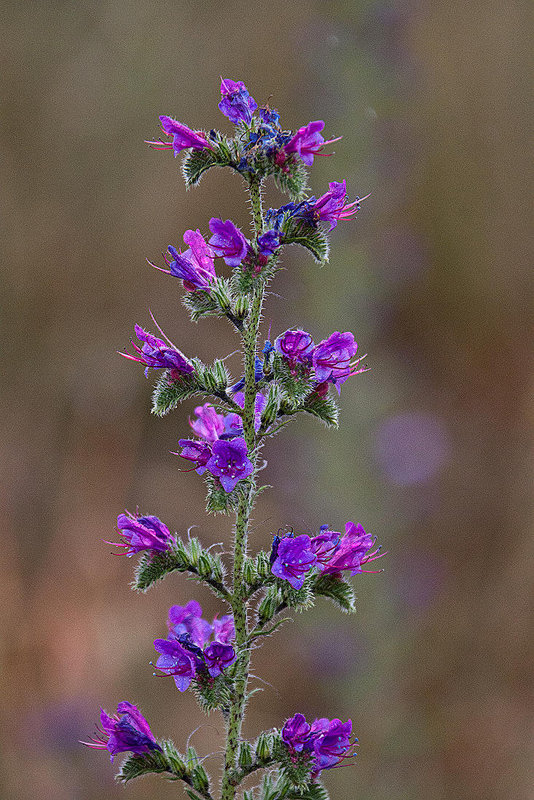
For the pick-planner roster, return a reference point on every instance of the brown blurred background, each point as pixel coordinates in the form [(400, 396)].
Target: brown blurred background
[(434, 452)]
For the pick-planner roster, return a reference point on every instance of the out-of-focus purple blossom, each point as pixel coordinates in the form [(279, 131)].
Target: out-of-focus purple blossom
[(143, 533), (183, 138), (353, 551), (209, 425), (268, 243), (236, 103), (188, 619), (224, 629), (125, 731), (295, 732), (295, 345), (176, 661), (197, 451), (294, 558), (230, 462), (194, 266), (332, 359), (324, 546), (331, 206), (218, 656), (228, 242), (308, 141), (157, 354)]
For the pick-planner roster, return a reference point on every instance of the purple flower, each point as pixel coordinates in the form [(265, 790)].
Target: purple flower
[(234, 423), (209, 425), (308, 141), (228, 242), (236, 103), (224, 629), (332, 359), (352, 552), (295, 732), (157, 354), (197, 451), (143, 533), (331, 742), (324, 546), (194, 266), (126, 731), (229, 462), (175, 660), (188, 619), (295, 345), (183, 137), (268, 243), (294, 559), (218, 656), (331, 206)]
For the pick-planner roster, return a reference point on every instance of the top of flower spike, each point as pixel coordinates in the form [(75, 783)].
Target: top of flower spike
[(183, 138), (236, 103)]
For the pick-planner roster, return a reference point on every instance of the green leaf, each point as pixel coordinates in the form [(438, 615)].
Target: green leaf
[(293, 183), (166, 761), (323, 407), (337, 589), (295, 382), (193, 558), (212, 693), (201, 303), (197, 162), (313, 239)]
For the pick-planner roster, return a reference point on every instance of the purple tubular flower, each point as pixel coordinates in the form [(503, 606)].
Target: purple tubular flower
[(195, 265), (196, 451), (126, 731), (268, 243), (295, 732), (188, 619), (224, 629), (308, 141), (209, 425), (331, 742), (293, 560), (331, 206), (183, 138), (218, 656), (176, 661), (236, 103), (324, 546), (332, 359), (295, 345), (157, 354), (229, 462), (353, 551), (228, 242), (233, 422), (143, 533)]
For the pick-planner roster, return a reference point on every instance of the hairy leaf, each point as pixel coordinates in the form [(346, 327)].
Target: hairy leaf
[(337, 589)]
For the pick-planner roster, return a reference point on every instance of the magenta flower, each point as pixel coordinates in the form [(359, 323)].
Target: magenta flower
[(327, 741), (183, 138), (229, 462), (175, 660), (197, 451), (331, 206), (188, 619), (157, 354), (332, 359), (228, 242), (295, 733), (194, 266), (308, 141), (353, 551), (218, 656), (143, 533), (324, 546), (295, 345), (126, 731), (294, 558), (236, 103), (224, 629), (209, 425)]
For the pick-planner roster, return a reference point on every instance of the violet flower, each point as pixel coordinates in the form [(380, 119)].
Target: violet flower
[(308, 141), (176, 661), (209, 425), (126, 731), (295, 345), (197, 451), (218, 656), (332, 359), (331, 742), (188, 619), (224, 629), (268, 243), (236, 103), (352, 552), (229, 462), (183, 138), (331, 206), (294, 558), (194, 266), (228, 242), (143, 533), (295, 733), (233, 423), (157, 354), (324, 546)]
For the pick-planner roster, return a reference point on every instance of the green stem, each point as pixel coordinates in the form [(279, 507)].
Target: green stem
[(246, 502)]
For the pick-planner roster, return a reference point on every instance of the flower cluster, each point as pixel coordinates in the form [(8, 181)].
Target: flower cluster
[(331, 207), (326, 741), (332, 360), (330, 552), (125, 731), (188, 652)]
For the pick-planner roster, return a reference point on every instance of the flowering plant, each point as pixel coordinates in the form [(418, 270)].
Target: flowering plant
[(229, 431)]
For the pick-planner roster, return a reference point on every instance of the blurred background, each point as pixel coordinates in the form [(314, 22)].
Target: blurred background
[(434, 452)]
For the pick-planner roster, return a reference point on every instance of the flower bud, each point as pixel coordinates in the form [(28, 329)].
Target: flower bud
[(241, 306), (245, 755), (264, 747)]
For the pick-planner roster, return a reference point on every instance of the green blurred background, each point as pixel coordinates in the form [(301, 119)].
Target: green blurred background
[(434, 452)]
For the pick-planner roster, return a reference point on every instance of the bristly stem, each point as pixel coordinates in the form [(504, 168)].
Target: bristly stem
[(246, 502)]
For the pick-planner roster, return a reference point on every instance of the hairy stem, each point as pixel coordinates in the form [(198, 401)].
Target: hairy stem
[(246, 502)]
